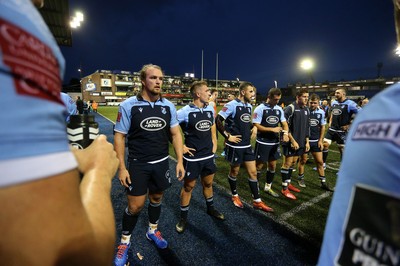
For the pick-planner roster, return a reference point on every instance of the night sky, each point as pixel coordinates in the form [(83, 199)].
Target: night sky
[(256, 40)]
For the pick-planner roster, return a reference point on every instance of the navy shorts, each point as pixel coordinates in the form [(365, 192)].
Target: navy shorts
[(202, 168), (314, 147), (288, 151), (338, 136), (148, 177), (237, 156), (267, 153)]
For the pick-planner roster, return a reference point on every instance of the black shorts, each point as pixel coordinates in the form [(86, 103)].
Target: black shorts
[(338, 136), (237, 156), (148, 177), (314, 147), (288, 151), (202, 168), (267, 153)]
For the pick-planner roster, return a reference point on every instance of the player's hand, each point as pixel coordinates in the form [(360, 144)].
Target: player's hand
[(99, 156), (321, 145), (285, 138), (307, 146), (277, 129), (187, 150), (180, 171), (235, 138), (295, 145), (124, 177)]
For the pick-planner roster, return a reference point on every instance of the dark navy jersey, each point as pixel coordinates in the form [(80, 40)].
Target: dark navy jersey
[(196, 125), (237, 117), (268, 117), (147, 125), (342, 112), (317, 119), (298, 121)]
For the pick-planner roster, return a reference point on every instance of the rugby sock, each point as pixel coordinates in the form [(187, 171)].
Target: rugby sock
[(270, 177), (210, 203), (325, 155), (300, 176), (129, 221), (154, 211), (232, 184), (258, 175), (285, 177), (254, 188), (322, 179), (184, 212), (290, 173)]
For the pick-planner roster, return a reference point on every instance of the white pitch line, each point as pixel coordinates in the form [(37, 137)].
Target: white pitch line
[(304, 206)]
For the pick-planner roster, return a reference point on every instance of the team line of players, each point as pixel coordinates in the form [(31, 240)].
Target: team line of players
[(148, 122)]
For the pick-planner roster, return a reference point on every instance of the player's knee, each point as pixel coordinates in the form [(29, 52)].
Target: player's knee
[(188, 188)]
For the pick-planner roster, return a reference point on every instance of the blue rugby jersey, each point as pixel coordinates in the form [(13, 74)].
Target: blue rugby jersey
[(196, 125), (268, 117), (237, 117), (33, 138), (363, 221), (147, 125), (317, 119), (342, 113)]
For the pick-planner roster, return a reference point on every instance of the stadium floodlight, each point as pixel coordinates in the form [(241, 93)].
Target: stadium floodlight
[(76, 20), (307, 64), (397, 51)]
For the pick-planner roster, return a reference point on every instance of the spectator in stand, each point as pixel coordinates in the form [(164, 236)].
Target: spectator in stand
[(79, 105), (297, 115), (234, 123), (198, 125), (231, 97), (48, 214), (95, 106), (271, 124), (148, 122)]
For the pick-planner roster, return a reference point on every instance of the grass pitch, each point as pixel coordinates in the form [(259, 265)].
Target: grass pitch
[(306, 216)]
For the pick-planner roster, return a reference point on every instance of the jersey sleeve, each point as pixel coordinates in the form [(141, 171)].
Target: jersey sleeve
[(227, 110), (123, 122), (257, 115)]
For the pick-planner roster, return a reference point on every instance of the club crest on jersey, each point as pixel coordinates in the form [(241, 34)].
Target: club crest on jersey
[(153, 124), (163, 110), (203, 125), (272, 120), (194, 115), (336, 112), (140, 109), (208, 115), (314, 122), (245, 118)]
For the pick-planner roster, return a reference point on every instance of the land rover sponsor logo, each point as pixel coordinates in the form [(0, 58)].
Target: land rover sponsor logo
[(314, 122), (388, 130), (336, 112), (272, 120), (203, 125), (245, 118), (153, 124)]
